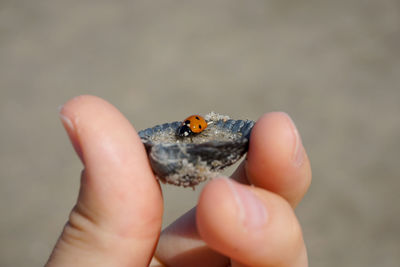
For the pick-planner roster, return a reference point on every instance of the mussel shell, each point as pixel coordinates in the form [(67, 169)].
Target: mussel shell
[(189, 163)]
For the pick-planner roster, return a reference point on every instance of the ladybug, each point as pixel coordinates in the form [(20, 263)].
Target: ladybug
[(192, 125)]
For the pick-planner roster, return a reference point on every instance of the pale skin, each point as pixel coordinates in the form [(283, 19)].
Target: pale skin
[(245, 221)]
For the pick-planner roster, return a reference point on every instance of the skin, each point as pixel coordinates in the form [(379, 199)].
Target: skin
[(245, 221)]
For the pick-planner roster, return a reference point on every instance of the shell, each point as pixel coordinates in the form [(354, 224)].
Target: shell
[(190, 160)]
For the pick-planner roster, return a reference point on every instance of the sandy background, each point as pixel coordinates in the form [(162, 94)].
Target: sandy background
[(333, 66)]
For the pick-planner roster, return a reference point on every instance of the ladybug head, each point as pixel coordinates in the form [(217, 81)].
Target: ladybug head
[(183, 131)]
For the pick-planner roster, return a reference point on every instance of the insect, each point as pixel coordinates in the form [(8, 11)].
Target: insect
[(192, 125)]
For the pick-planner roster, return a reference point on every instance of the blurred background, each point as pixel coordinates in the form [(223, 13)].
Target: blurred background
[(334, 66)]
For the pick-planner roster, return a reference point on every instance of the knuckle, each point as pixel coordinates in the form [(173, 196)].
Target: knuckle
[(79, 229)]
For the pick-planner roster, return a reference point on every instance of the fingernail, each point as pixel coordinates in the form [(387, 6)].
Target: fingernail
[(69, 126), (252, 211), (67, 122), (64, 119), (298, 149)]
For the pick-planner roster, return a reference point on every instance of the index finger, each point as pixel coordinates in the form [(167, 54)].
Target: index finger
[(276, 160)]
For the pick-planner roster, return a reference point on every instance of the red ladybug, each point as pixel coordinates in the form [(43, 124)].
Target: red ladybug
[(192, 125)]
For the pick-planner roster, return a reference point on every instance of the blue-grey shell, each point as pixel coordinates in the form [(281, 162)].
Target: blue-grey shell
[(191, 160)]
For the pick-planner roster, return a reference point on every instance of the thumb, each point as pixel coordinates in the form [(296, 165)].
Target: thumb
[(117, 217)]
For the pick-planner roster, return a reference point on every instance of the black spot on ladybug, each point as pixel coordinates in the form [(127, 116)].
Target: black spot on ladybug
[(197, 118)]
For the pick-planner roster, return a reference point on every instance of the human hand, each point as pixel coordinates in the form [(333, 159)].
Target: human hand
[(117, 218)]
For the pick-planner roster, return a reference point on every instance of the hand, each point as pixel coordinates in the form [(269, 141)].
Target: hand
[(117, 218)]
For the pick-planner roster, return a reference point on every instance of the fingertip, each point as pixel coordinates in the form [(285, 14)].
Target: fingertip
[(276, 158), (82, 103), (272, 130), (118, 174), (214, 206), (227, 212), (96, 126), (248, 224), (70, 114)]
